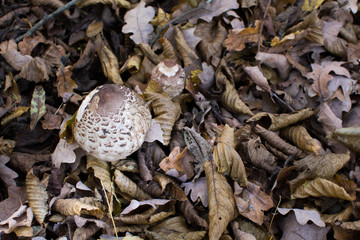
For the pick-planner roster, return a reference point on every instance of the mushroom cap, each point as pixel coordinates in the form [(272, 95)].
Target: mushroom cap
[(112, 122), (170, 76)]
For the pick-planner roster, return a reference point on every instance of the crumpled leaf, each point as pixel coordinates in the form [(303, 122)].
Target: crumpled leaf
[(257, 76), (186, 52), (252, 202), (166, 112), (238, 37), (154, 133), (119, 3), (128, 188), (38, 108), (283, 120), (227, 159), (37, 197), (66, 85), (173, 160), (320, 187), (36, 70), (251, 228), (147, 212), (170, 187), (85, 205), (328, 119), (6, 147), (301, 138), (259, 156), (137, 22), (231, 99), (19, 222), (334, 44), (11, 91), (349, 136), (198, 190), (222, 208), (64, 153), (175, 228), (303, 216), (277, 61)]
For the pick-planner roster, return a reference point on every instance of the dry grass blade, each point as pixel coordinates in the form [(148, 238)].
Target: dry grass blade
[(222, 208), (37, 196), (231, 99)]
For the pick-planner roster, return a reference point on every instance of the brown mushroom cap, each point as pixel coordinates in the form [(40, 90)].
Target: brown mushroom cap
[(170, 76), (112, 122)]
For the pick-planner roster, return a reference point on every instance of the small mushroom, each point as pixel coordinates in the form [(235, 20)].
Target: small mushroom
[(112, 122), (170, 76)]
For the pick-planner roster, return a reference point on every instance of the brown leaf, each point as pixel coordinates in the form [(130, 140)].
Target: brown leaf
[(329, 120), (302, 139), (231, 99), (118, 3), (277, 61), (11, 91), (19, 222), (303, 216), (94, 29), (86, 205), (10, 205), (38, 108), (257, 76), (64, 153), (28, 43), (170, 187), (17, 112), (187, 53), (349, 136), (222, 207), (198, 190), (320, 187), (252, 202), (259, 156), (238, 37), (166, 113), (36, 70), (191, 215), (8, 49), (6, 146), (37, 197), (173, 160), (137, 22), (227, 159), (128, 188)]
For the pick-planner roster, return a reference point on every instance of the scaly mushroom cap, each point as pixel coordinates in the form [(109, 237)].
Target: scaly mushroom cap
[(112, 122), (170, 76)]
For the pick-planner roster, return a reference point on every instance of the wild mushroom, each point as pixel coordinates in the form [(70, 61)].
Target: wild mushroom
[(170, 76), (112, 122)]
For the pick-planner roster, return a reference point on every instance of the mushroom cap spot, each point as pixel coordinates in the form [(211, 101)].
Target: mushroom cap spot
[(112, 122), (170, 76)]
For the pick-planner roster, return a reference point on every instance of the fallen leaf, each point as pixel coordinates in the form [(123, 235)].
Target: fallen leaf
[(38, 108), (8, 49), (198, 190), (303, 216), (348, 136)]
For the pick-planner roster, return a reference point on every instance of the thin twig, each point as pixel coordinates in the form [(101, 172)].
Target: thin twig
[(177, 20), (47, 17)]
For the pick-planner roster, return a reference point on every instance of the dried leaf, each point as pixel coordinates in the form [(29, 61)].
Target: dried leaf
[(173, 160), (198, 190), (259, 156), (169, 50), (36, 70), (342, 216), (238, 37), (320, 187), (64, 153), (191, 215), (86, 205), (222, 207), (227, 159), (257, 76), (6, 146), (128, 187), (301, 138), (11, 91), (231, 99), (37, 197), (137, 22), (118, 3), (94, 29), (184, 49), (277, 61), (38, 108), (283, 120), (175, 228), (166, 113), (8, 49), (303, 216), (251, 228), (311, 5), (349, 136), (109, 63), (252, 202)]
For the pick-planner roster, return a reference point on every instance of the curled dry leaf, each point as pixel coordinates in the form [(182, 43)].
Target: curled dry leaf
[(301, 138), (11, 91), (166, 113), (259, 156), (283, 120), (231, 99), (17, 112), (184, 49), (277, 142), (8, 49), (6, 146), (54, 4), (175, 228), (85, 232), (227, 159), (342, 216), (147, 212), (109, 63), (170, 187), (118, 3), (37, 197), (66, 85), (173, 160), (94, 29), (303, 216), (277, 61), (252, 202), (137, 22), (169, 51), (86, 205), (349, 136), (222, 208), (251, 228), (258, 77), (36, 70), (128, 188), (191, 215), (320, 187)]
